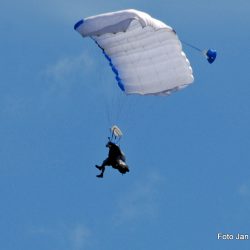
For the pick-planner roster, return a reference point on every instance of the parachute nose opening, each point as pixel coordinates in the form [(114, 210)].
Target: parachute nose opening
[(211, 55), (78, 24)]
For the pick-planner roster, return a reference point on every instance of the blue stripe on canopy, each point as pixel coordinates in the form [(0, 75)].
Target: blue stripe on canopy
[(78, 24), (114, 69)]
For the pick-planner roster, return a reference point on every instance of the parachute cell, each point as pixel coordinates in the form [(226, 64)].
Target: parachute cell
[(144, 53)]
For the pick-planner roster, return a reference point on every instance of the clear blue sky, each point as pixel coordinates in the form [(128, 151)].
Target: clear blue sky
[(188, 153)]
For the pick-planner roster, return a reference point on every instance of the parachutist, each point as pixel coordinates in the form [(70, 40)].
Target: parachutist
[(116, 159)]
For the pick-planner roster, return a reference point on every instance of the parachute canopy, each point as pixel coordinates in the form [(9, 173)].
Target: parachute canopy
[(144, 53)]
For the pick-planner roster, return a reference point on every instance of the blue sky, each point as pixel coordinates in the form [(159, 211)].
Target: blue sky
[(188, 153)]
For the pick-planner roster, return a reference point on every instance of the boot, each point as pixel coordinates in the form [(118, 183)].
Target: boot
[(100, 175)]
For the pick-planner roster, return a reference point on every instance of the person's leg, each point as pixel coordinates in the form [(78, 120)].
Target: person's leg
[(102, 167)]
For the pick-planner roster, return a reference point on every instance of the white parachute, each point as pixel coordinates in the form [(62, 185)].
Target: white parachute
[(144, 53)]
